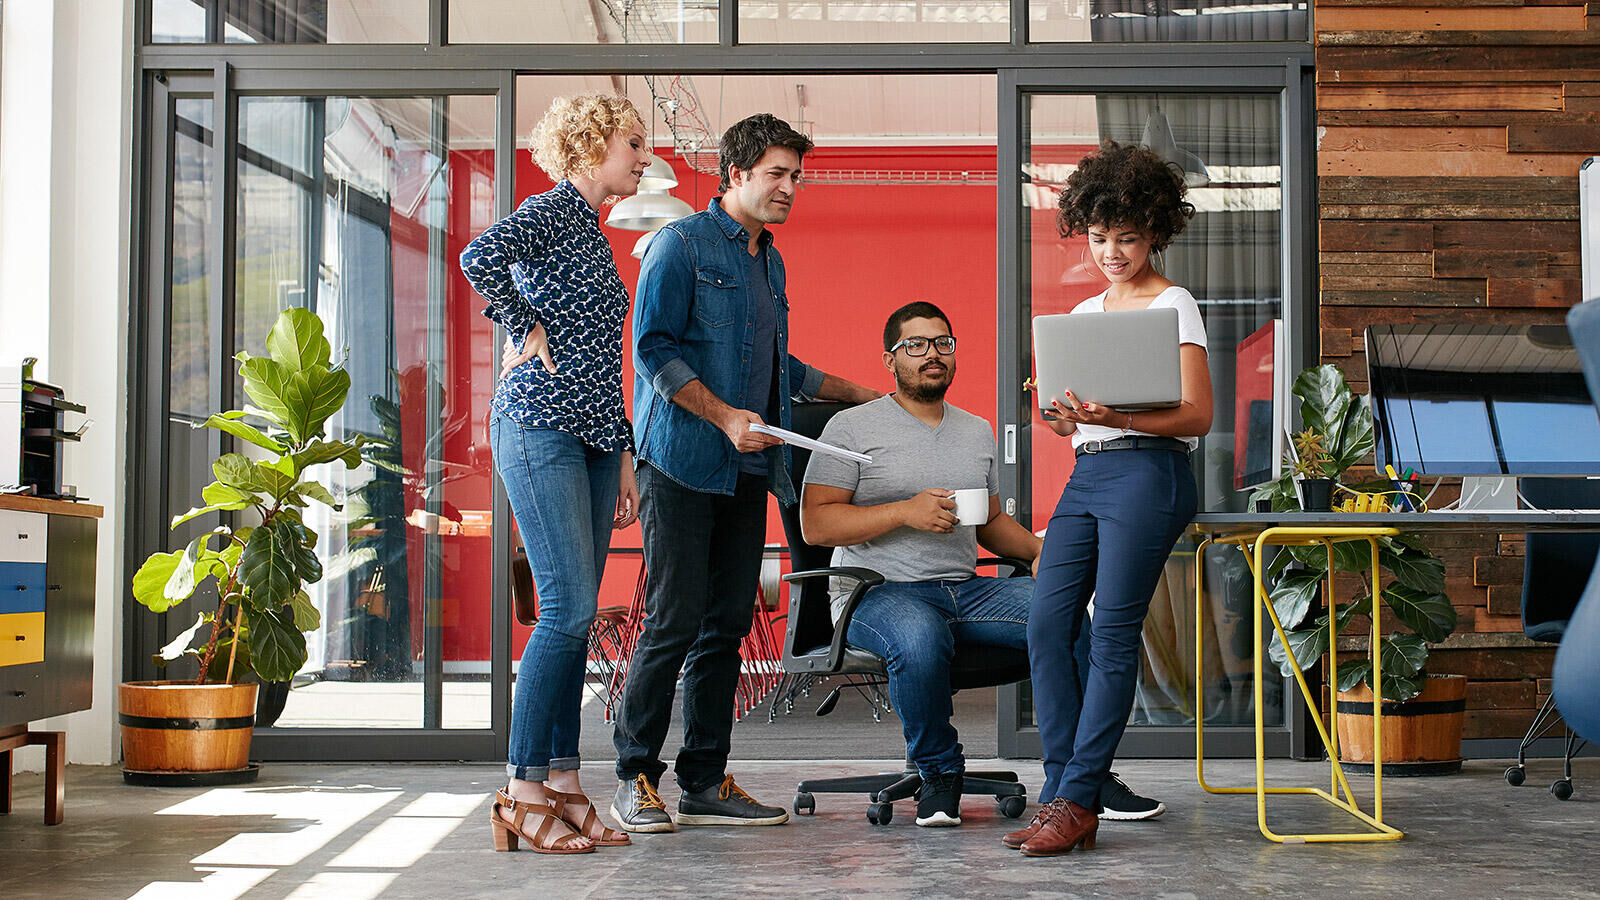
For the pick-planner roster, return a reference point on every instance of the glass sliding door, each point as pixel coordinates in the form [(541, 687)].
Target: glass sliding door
[(356, 208), (1229, 145)]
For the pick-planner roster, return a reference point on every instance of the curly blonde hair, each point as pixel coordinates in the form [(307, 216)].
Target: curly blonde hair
[(571, 138)]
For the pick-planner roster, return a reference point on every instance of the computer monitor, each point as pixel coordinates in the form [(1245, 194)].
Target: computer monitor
[(1258, 407), (1489, 400)]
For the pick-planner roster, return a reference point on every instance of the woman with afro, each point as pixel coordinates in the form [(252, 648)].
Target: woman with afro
[(1121, 512)]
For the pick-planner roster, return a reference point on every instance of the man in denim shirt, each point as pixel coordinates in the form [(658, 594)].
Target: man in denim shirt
[(711, 353)]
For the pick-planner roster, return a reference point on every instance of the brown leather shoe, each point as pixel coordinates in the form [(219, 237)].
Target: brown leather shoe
[(1019, 837), (1066, 827)]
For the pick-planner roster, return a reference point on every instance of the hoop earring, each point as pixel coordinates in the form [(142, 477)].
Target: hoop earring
[(1083, 256), (1159, 263)]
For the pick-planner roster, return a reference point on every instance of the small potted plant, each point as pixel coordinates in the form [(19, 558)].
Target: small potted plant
[(1311, 464), (261, 569), (1338, 432)]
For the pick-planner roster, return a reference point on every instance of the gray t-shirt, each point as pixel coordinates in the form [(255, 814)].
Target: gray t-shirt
[(908, 457)]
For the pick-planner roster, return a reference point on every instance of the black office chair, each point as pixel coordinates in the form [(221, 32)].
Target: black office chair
[(1555, 569), (1577, 671), (814, 646)]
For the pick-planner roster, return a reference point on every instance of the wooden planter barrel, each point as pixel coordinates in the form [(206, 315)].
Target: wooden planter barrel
[(1421, 736), (186, 730)]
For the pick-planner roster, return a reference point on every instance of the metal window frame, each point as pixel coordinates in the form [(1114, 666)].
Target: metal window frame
[(438, 67)]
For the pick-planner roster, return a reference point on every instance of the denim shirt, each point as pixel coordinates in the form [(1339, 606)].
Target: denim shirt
[(692, 319), (549, 262)]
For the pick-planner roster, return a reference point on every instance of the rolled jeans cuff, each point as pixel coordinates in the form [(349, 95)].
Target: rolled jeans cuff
[(566, 764), (528, 773)]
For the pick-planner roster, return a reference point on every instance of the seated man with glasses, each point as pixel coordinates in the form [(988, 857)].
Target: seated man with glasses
[(896, 515)]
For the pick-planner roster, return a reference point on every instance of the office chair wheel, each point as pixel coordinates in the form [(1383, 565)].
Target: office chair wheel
[(880, 813), (1516, 775), (1562, 789), (1012, 807), (804, 804)]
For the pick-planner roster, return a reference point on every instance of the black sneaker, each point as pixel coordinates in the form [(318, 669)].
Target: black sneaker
[(1120, 803), (638, 808), (726, 804), (939, 801)]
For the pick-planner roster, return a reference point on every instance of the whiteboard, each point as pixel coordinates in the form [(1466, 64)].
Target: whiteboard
[(1589, 224)]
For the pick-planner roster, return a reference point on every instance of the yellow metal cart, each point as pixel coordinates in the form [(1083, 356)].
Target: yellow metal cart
[(1252, 542)]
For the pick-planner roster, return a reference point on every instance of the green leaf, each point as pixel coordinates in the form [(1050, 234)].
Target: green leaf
[(1353, 556), (306, 615), (1308, 645), (318, 493), (303, 551), (267, 566), (274, 481), (315, 394), (1293, 595), (1324, 397), (180, 584), (226, 498), (1353, 672), (328, 451), (266, 381), (296, 340), (1400, 688), (1418, 570), (1403, 654), (176, 647), (241, 430), (149, 583), (1427, 613), (277, 648), (236, 471)]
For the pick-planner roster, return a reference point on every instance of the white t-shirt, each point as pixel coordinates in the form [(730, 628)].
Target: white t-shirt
[(1191, 330)]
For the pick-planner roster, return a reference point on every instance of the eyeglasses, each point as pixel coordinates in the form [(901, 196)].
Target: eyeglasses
[(918, 346)]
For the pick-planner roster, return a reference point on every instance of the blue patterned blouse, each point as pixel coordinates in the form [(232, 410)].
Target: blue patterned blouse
[(549, 262)]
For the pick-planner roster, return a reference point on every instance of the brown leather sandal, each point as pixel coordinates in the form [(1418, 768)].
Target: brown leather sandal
[(578, 811), (547, 838)]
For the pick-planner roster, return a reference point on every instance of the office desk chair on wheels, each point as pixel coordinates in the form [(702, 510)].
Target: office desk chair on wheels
[(1556, 567), (813, 645)]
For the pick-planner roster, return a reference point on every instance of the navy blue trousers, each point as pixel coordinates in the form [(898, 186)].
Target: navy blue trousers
[(1108, 539)]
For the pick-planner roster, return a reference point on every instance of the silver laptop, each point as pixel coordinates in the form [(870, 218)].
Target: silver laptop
[(1127, 360)]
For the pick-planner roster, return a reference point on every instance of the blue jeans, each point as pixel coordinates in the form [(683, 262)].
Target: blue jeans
[(915, 626), (702, 557), (564, 496), (1109, 538)]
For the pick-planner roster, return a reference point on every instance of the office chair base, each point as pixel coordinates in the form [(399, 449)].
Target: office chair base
[(1543, 721), (885, 788)]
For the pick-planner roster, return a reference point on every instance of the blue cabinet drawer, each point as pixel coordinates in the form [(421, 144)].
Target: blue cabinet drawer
[(21, 587)]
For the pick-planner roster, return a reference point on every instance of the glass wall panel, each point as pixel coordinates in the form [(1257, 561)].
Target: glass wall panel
[(192, 389), (177, 21), (873, 21), (1130, 21), (1230, 258), (290, 21), (357, 209), (583, 22)]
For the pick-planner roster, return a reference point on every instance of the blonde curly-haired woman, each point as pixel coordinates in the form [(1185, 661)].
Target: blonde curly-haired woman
[(562, 443)]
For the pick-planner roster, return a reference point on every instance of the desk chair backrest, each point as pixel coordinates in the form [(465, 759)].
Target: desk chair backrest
[(810, 625), (1577, 668), (1555, 565)]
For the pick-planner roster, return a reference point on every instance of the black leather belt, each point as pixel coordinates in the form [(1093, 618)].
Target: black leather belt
[(1133, 442)]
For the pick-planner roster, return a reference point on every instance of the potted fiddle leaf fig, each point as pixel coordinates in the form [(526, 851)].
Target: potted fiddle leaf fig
[(261, 566), (1426, 736)]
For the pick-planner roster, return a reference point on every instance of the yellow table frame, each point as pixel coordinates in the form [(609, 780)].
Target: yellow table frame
[(1252, 544)]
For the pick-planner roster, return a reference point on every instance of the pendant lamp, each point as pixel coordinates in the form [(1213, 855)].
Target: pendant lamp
[(647, 211), (1158, 137), (658, 175), (642, 245)]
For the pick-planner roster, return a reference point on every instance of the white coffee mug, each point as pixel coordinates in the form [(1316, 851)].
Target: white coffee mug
[(972, 506)]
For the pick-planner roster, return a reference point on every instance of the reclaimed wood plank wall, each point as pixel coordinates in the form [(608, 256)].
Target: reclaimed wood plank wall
[(1449, 136)]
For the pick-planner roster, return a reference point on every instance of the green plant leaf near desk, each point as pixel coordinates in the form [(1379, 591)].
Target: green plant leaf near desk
[(1339, 424), (261, 569)]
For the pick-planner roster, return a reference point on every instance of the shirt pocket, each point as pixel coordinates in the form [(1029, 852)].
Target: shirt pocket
[(716, 298)]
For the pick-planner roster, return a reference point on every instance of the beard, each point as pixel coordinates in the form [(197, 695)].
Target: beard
[(923, 389)]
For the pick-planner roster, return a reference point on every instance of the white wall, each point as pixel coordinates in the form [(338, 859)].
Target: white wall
[(65, 154)]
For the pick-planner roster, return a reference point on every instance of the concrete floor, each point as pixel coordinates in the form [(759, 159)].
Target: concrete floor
[(352, 831)]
